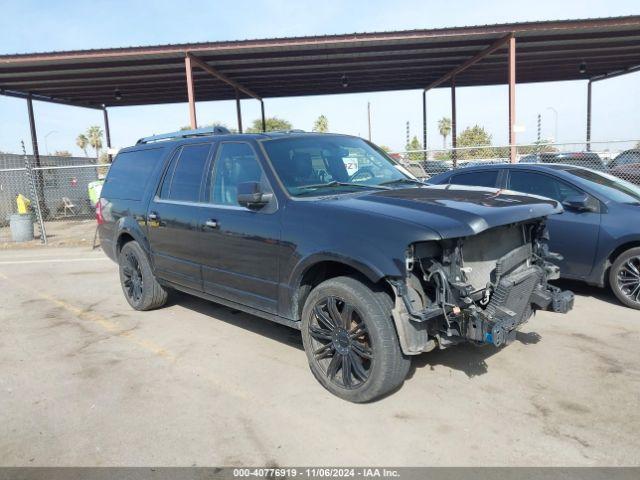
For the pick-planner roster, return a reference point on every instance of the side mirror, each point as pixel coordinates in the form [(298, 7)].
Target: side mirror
[(578, 203), (251, 196)]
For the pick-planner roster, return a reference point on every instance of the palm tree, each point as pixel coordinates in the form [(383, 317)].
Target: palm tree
[(321, 124), (82, 141), (444, 127), (94, 135)]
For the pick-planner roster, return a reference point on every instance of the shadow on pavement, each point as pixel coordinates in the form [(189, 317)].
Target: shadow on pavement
[(251, 323), (466, 358), (581, 289)]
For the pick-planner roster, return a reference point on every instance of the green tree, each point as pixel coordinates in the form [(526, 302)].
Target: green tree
[(83, 142), (94, 135), (321, 124), (272, 124), (414, 144), (475, 136), (444, 127)]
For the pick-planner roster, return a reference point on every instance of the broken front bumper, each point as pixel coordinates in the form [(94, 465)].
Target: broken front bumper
[(513, 302)]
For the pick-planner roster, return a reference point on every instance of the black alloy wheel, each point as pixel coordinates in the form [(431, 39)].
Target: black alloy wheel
[(132, 282), (341, 343), (139, 285), (350, 339)]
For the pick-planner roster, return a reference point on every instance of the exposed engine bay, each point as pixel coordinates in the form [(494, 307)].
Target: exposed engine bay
[(479, 288)]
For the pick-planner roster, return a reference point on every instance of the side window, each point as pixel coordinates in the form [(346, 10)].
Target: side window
[(543, 185), (184, 176), (483, 178), (130, 173), (235, 163)]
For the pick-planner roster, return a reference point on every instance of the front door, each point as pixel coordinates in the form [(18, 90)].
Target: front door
[(173, 217), (239, 246), (573, 234)]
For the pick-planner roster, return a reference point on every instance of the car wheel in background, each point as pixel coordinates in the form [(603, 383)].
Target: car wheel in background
[(624, 278), (350, 340), (140, 287)]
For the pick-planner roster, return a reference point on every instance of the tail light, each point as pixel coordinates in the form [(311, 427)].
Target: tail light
[(99, 207)]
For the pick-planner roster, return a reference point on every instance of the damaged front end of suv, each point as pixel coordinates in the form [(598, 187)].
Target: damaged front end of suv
[(479, 288)]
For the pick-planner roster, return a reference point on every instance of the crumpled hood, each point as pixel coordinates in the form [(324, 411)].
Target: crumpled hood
[(453, 211)]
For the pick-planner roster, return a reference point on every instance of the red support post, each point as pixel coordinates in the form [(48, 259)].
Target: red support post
[(454, 139), (190, 93), (512, 99), (588, 116)]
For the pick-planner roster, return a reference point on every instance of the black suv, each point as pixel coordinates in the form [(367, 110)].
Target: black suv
[(326, 234)]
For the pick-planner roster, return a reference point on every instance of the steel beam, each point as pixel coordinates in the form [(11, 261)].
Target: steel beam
[(264, 121), (238, 111), (618, 73), (44, 98), (107, 131), (424, 124), (454, 140), (512, 99), (473, 60), (221, 76), (36, 156), (193, 123), (589, 115)]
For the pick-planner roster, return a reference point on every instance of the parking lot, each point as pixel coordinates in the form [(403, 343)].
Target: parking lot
[(85, 380)]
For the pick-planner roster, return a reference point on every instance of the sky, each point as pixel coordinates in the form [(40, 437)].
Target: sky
[(36, 26)]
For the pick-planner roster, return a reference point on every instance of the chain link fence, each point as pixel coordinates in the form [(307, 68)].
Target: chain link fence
[(618, 158), (63, 187)]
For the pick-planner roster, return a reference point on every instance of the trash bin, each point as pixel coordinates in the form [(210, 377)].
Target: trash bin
[(21, 225)]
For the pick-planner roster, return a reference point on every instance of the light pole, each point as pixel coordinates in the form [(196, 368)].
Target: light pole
[(46, 147), (555, 132)]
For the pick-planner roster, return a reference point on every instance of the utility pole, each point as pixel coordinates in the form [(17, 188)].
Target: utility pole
[(369, 118), (539, 128)]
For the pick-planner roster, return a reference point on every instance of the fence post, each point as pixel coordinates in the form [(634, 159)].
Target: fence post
[(34, 195)]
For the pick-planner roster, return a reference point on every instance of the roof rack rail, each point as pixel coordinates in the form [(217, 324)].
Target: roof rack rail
[(199, 132), (291, 130)]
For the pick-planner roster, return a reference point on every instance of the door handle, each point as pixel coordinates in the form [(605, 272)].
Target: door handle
[(211, 223), (153, 216)]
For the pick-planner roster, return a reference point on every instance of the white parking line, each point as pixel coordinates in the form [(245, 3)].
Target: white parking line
[(53, 260)]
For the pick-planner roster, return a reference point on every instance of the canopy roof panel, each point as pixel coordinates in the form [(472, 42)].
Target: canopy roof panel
[(320, 65)]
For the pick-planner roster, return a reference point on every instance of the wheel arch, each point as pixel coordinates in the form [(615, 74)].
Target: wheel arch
[(615, 253), (318, 268), (129, 230)]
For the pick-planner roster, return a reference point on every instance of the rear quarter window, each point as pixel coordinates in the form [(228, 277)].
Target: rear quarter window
[(130, 173), (482, 178)]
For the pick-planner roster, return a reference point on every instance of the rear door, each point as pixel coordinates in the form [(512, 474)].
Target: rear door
[(240, 247), (573, 234), (173, 216)]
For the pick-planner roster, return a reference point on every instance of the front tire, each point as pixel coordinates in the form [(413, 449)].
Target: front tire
[(139, 285), (350, 340), (624, 278)]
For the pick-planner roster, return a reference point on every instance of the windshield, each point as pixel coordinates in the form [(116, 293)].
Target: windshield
[(317, 165), (609, 186)]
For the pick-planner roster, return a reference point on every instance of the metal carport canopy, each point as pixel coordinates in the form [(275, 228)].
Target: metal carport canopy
[(321, 65)]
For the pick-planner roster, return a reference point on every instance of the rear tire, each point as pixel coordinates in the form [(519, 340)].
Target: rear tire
[(624, 278), (139, 285), (350, 340)]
